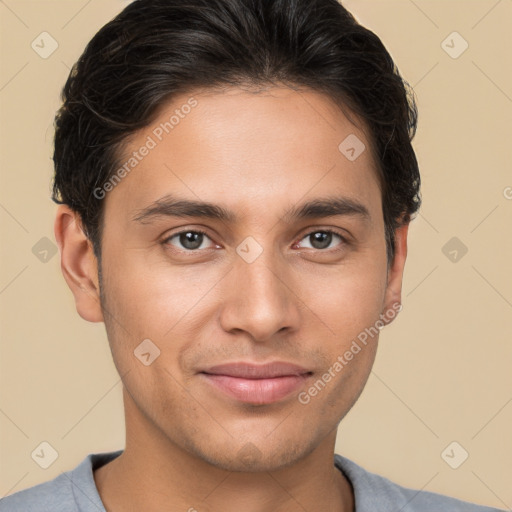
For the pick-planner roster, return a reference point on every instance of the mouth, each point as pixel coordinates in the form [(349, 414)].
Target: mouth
[(257, 384)]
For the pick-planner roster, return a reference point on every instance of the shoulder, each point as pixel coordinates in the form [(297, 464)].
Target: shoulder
[(55, 495), (375, 492), (71, 491)]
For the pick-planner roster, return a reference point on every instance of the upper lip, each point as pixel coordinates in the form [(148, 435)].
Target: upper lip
[(257, 371)]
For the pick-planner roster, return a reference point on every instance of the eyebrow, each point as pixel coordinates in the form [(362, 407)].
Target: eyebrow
[(169, 206)]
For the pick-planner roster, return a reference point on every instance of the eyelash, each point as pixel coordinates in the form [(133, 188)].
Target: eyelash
[(330, 231)]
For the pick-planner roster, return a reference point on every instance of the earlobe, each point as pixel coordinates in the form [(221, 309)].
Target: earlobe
[(393, 296), (78, 264)]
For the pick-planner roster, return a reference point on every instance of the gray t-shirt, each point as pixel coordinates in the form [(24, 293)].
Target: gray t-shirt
[(75, 491)]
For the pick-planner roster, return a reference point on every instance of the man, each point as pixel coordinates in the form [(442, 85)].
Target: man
[(236, 181)]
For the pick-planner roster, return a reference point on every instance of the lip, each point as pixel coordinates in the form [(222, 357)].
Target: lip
[(257, 384), (257, 371)]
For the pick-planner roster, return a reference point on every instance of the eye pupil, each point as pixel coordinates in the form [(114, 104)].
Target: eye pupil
[(191, 239), (321, 239)]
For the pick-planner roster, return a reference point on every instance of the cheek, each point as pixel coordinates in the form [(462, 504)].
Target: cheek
[(152, 301), (153, 297), (348, 301), (349, 382), (347, 367), (349, 304)]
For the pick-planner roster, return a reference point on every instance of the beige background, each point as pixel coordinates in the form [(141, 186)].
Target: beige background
[(443, 370)]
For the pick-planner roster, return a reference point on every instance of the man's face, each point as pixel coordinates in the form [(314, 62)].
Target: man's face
[(257, 288)]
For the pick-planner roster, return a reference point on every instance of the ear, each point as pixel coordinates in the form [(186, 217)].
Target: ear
[(78, 263), (393, 295)]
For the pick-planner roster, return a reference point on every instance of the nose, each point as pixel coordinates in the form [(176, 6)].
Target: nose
[(260, 298)]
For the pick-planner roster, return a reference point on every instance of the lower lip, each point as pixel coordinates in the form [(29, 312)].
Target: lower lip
[(257, 391)]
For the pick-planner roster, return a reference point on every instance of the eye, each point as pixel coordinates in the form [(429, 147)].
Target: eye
[(189, 240), (322, 239)]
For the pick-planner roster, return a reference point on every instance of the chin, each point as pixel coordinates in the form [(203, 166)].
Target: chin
[(249, 458)]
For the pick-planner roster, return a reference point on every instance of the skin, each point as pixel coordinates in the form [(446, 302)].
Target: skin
[(257, 154)]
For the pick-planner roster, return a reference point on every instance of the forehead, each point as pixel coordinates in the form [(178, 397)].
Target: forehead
[(245, 148)]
